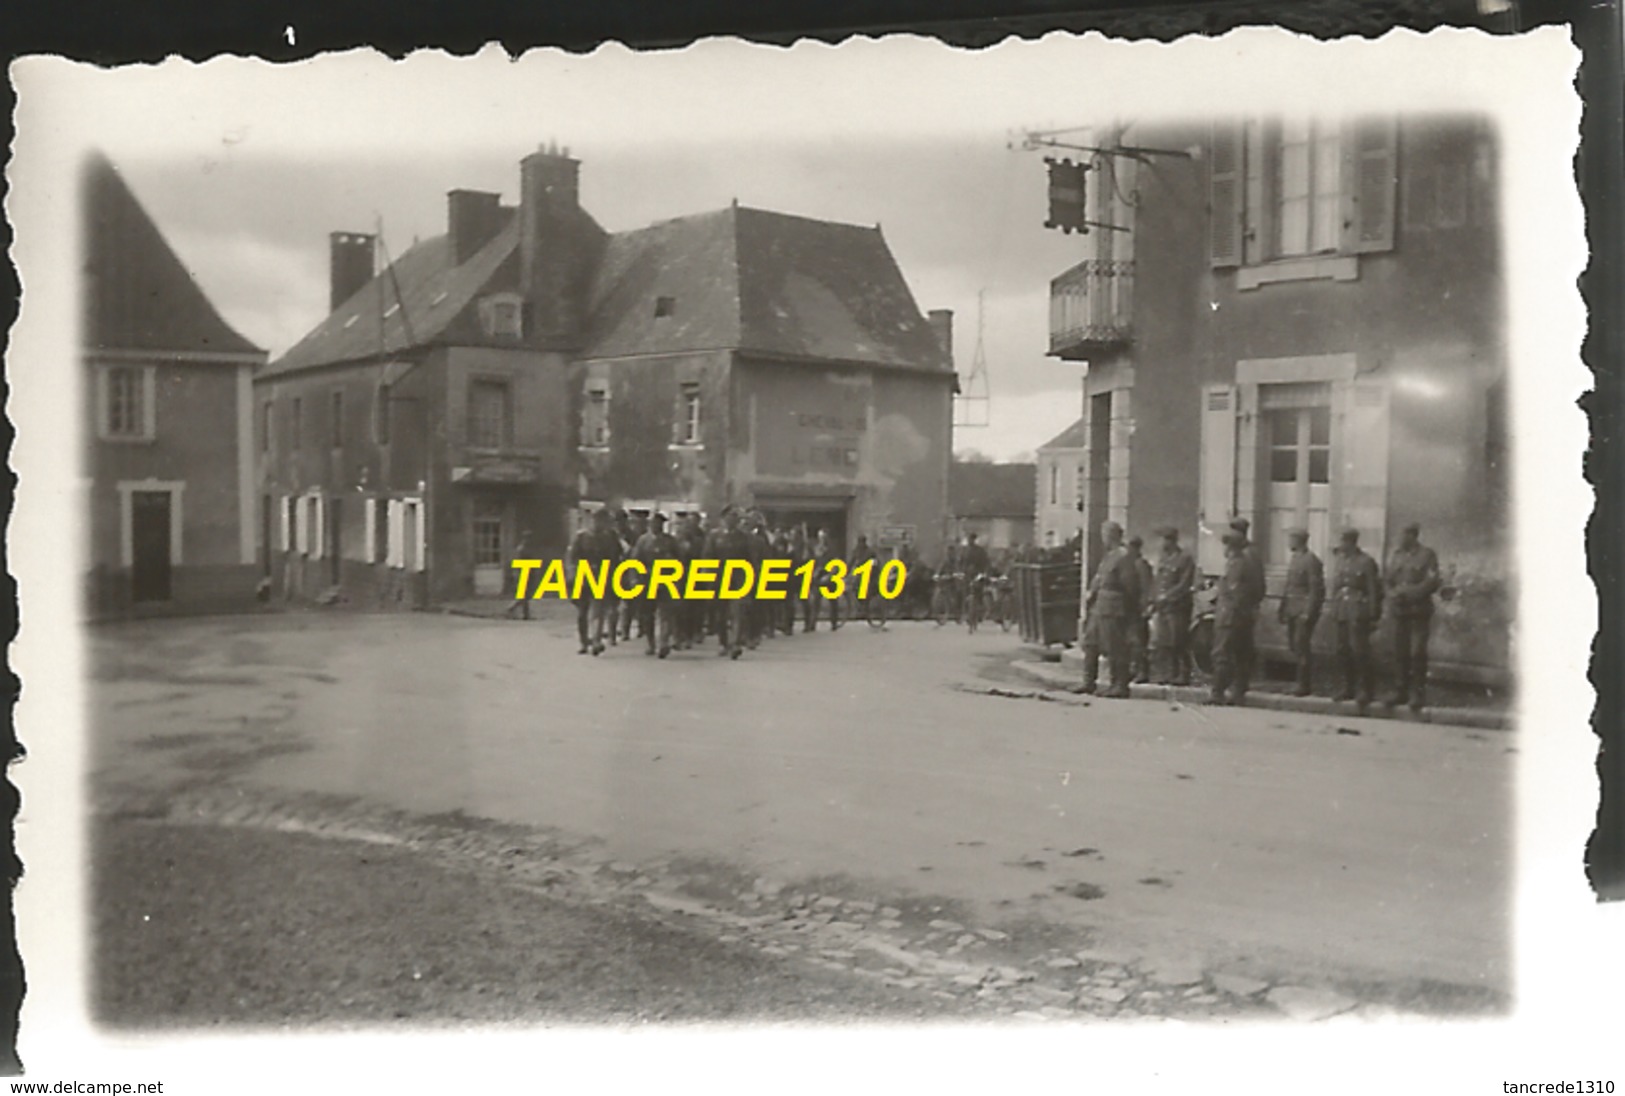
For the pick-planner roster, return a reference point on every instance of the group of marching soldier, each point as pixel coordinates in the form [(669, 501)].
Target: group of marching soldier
[(668, 623), (1138, 613)]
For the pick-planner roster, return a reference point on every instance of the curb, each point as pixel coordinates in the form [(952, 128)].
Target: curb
[(1057, 676)]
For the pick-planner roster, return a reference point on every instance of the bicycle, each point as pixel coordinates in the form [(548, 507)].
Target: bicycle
[(975, 602)]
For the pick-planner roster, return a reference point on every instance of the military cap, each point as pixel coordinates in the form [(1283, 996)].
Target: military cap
[(657, 518), (1135, 541), (1350, 533), (1110, 527), (1241, 525), (1166, 531), (1414, 527), (1298, 531)]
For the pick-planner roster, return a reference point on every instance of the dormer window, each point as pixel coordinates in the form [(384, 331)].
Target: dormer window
[(665, 306), (503, 316)]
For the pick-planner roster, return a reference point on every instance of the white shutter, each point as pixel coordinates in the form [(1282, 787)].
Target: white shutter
[(282, 523), (394, 556), (1217, 491), (1246, 467), (369, 541), (318, 526), (420, 536), (1361, 487)]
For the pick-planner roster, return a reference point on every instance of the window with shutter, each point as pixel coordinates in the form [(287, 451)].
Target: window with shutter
[(1225, 196), (1375, 163)]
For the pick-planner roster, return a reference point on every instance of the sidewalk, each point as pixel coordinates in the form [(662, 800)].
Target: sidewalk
[(1068, 674), (496, 608)]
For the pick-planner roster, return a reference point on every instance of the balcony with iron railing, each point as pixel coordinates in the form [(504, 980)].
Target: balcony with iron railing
[(1091, 309)]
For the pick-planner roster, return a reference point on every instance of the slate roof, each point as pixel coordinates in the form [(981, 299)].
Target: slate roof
[(738, 279), (1073, 437), (434, 294), (979, 489), (761, 283), (139, 295)]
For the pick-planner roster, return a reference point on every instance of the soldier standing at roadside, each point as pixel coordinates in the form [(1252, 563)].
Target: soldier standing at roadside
[(1174, 586), (1244, 646), (1234, 614), (1412, 579), (1113, 597), (1356, 607), (1301, 603)]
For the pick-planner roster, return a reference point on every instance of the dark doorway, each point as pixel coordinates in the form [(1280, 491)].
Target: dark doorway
[(335, 540), (149, 540), (793, 517), (266, 515)]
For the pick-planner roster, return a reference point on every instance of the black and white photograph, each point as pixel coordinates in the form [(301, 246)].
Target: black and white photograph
[(1073, 549)]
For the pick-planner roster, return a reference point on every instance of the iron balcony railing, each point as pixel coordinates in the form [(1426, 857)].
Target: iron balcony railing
[(1091, 306)]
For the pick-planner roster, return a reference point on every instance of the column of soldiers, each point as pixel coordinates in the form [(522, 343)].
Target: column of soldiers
[(1138, 614), (669, 624)]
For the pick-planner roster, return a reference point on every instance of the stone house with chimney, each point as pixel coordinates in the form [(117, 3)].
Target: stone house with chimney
[(528, 366), (168, 399)]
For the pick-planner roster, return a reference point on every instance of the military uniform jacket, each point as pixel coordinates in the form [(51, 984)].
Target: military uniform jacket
[(591, 547), (1356, 589), (973, 560), (1115, 589), (1237, 595), (1305, 587), (723, 545), (1412, 579), (1175, 579)]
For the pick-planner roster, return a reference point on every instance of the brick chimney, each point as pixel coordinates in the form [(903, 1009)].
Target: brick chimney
[(552, 248), (473, 218), (942, 326), (350, 265)]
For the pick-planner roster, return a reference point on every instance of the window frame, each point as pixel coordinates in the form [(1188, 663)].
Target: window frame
[(146, 389), (505, 413), (595, 410), (690, 413)]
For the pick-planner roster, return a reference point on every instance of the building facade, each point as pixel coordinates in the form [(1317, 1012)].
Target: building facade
[(528, 366), (1302, 326), (993, 500), (1062, 472), (170, 525), (752, 358)]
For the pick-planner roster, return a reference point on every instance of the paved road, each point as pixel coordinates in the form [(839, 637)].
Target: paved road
[(864, 763)]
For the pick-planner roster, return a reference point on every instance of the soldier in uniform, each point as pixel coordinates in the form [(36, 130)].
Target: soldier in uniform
[(1234, 615), (824, 554), (656, 609), (1113, 599), (1139, 625), (1243, 646), (592, 546), (522, 550), (1356, 607), (690, 614), (1173, 587), (1412, 578), (733, 615), (1301, 603)]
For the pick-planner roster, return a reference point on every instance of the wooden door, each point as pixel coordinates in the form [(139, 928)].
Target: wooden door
[(150, 541)]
